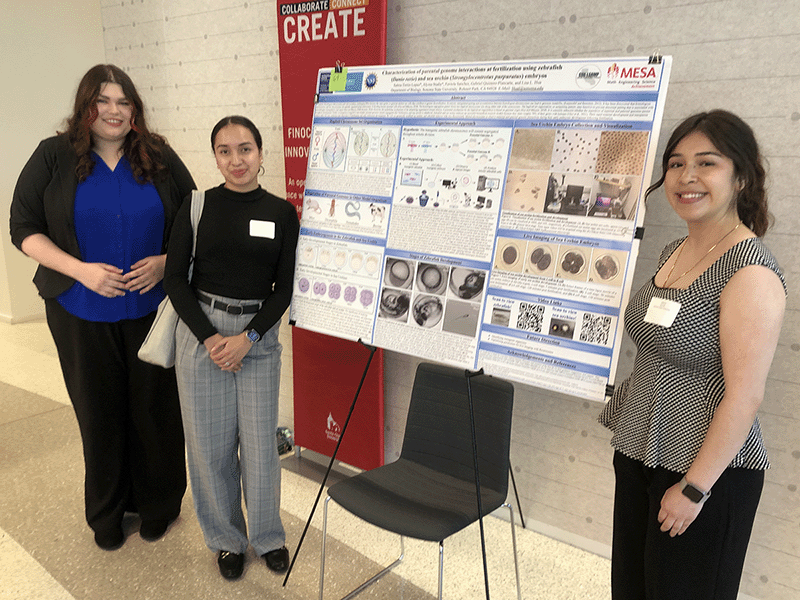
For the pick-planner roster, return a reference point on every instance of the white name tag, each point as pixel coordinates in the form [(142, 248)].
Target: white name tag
[(264, 229), (662, 312)]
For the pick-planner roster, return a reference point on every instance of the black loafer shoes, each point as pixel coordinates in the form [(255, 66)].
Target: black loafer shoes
[(110, 539), (277, 560), (153, 529), (231, 565)]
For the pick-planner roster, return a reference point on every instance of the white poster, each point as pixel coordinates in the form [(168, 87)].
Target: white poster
[(483, 215)]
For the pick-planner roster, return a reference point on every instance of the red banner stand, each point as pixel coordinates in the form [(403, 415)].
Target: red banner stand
[(329, 374), (327, 370)]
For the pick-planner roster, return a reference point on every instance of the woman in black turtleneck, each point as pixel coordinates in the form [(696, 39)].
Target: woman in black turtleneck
[(228, 354)]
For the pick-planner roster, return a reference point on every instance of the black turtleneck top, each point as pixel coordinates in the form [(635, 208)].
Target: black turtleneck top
[(231, 262)]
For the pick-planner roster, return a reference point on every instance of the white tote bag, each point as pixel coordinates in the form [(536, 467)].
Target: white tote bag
[(159, 345)]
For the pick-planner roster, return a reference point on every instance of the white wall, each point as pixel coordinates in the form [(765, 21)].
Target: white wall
[(196, 61), (46, 47)]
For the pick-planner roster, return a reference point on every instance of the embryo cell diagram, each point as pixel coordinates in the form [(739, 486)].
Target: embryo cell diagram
[(364, 149), (334, 150), (388, 144), (360, 142), (329, 147), (374, 142)]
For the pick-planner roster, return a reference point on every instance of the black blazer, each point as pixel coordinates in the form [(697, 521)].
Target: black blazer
[(44, 202)]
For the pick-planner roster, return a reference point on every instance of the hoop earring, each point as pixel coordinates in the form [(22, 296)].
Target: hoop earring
[(261, 170)]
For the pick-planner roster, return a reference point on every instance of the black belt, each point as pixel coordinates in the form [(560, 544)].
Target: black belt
[(232, 309)]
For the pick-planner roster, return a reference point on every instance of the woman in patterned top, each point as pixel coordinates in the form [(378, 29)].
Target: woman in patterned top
[(689, 456)]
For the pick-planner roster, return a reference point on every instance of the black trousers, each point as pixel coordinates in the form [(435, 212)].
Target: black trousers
[(129, 418), (705, 562)]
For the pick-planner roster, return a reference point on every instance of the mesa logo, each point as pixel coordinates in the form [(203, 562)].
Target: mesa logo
[(615, 72)]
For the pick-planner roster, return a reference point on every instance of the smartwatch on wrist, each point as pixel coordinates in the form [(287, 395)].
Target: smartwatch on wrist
[(694, 494), (252, 335)]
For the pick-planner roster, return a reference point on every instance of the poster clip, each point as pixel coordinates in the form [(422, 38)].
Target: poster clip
[(340, 65), (655, 58), (609, 389), (639, 233)]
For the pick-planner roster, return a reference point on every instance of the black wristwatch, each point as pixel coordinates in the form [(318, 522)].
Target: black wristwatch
[(252, 335), (694, 494)]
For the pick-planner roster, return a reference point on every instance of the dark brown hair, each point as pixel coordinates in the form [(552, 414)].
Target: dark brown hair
[(734, 139), (236, 120), (143, 149)]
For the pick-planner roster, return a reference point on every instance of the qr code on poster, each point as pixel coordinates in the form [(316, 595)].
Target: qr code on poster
[(530, 317), (595, 329)]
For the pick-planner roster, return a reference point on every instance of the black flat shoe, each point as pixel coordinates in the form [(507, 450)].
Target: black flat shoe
[(110, 539), (153, 529), (277, 560), (231, 565)]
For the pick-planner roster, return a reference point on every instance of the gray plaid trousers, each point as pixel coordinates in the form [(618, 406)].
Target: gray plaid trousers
[(229, 420)]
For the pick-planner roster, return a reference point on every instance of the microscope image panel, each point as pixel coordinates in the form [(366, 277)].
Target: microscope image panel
[(622, 152), (525, 191), (575, 151), (532, 149)]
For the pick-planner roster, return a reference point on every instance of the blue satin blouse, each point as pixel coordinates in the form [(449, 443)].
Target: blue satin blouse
[(118, 221)]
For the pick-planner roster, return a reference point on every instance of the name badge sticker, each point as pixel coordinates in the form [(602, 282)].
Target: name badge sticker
[(262, 229), (662, 312)]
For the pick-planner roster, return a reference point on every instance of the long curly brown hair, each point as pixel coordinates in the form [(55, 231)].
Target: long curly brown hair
[(142, 148), (735, 139)]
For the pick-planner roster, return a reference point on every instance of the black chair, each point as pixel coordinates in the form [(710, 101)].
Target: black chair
[(429, 493)]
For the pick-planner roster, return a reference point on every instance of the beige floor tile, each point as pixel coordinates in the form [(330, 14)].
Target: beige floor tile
[(47, 551)]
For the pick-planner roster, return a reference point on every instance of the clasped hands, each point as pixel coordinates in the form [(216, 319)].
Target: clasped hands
[(109, 281), (228, 352)]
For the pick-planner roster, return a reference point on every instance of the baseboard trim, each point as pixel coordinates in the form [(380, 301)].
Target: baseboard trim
[(558, 534), (26, 319)]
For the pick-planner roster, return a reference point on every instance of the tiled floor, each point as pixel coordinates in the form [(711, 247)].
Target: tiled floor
[(47, 551)]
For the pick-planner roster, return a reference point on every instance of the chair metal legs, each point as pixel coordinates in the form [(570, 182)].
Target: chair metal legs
[(369, 581), (441, 567), (399, 559), (514, 543)]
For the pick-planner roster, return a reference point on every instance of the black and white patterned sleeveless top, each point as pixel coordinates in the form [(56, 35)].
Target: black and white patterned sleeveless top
[(661, 413)]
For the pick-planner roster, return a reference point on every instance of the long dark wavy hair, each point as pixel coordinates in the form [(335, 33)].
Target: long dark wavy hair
[(735, 139), (142, 148)]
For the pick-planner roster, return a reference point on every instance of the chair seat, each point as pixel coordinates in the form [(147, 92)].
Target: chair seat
[(413, 500)]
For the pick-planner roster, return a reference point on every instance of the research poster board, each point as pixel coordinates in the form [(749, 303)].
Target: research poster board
[(482, 215)]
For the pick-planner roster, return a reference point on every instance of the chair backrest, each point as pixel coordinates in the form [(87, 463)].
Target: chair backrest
[(438, 432)]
